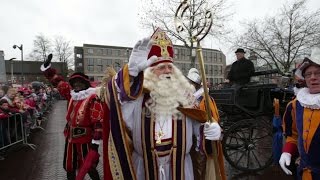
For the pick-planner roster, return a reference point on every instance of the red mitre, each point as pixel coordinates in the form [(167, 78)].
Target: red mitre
[(162, 47)]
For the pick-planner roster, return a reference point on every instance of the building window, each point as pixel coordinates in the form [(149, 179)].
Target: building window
[(90, 61), (204, 53), (90, 68), (105, 61), (108, 62), (220, 57), (183, 53), (98, 62), (104, 52), (99, 68), (209, 54), (210, 70), (99, 51), (109, 52), (90, 51), (215, 70), (118, 53), (79, 56), (220, 70), (176, 53)]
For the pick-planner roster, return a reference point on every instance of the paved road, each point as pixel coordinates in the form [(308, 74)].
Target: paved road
[(45, 163)]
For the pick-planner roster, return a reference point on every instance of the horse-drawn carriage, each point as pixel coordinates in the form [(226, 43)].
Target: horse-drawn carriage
[(246, 116)]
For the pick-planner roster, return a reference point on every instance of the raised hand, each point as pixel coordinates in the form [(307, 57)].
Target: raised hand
[(138, 60)]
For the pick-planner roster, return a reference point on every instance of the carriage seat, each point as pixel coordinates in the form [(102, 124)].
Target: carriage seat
[(249, 97), (255, 97)]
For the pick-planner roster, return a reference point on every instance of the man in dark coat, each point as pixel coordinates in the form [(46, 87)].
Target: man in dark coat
[(241, 70)]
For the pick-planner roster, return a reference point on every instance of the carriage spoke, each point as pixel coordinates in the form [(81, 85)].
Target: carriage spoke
[(250, 128), (248, 161), (243, 153), (254, 155), (233, 153)]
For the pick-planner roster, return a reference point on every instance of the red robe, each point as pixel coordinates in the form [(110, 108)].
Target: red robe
[(90, 114)]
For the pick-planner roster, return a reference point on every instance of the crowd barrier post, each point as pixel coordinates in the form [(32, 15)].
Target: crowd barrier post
[(13, 132)]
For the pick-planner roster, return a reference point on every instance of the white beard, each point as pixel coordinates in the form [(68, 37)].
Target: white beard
[(168, 92)]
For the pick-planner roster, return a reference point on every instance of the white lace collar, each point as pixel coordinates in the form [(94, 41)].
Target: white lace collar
[(82, 94), (308, 100)]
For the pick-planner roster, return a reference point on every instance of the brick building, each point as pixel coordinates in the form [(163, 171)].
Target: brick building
[(31, 71)]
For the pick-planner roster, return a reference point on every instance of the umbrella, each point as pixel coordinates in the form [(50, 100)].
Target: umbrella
[(277, 133)]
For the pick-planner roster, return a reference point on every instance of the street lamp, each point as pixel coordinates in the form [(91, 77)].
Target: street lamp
[(11, 62), (21, 49)]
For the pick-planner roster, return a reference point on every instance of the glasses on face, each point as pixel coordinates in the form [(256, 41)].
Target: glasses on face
[(309, 74)]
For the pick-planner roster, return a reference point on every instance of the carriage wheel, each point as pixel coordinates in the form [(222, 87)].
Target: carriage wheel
[(247, 145)]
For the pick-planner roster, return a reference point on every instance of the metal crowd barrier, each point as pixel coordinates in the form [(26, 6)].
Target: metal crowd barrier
[(13, 132)]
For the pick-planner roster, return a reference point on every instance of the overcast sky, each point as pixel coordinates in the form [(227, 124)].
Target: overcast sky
[(104, 22)]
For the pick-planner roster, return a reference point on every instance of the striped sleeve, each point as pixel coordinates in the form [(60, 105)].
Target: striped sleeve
[(129, 88), (290, 129)]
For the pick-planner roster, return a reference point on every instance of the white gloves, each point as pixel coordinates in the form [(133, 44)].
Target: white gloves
[(138, 59), (284, 161), (212, 131)]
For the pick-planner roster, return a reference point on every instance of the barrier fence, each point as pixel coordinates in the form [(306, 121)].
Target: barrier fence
[(15, 129)]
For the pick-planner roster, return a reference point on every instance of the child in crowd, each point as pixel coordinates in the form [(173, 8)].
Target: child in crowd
[(4, 115)]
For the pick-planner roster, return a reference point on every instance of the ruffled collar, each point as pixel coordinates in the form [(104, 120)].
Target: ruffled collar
[(82, 94), (308, 100)]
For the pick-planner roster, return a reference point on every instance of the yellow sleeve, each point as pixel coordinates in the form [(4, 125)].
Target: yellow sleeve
[(213, 108)]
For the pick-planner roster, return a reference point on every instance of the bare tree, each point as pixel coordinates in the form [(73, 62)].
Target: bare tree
[(283, 38), (42, 47), (63, 52), (161, 14)]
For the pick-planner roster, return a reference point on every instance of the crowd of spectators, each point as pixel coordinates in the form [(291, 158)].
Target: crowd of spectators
[(22, 106)]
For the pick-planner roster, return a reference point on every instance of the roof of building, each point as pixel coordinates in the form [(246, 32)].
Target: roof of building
[(29, 67)]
